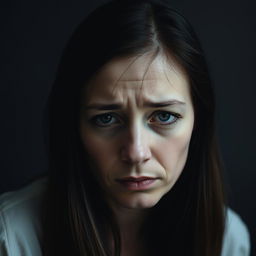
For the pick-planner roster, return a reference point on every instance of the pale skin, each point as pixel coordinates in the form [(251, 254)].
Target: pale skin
[(136, 120)]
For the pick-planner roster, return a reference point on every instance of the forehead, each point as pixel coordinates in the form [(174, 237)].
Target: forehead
[(146, 74)]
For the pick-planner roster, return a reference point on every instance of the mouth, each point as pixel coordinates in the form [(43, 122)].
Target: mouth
[(137, 183)]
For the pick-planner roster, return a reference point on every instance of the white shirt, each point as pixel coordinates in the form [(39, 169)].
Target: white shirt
[(20, 228)]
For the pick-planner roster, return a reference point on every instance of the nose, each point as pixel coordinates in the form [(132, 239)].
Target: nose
[(135, 148)]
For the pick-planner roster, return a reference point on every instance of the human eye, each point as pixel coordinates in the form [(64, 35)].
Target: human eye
[(164, 118), (105, 120)]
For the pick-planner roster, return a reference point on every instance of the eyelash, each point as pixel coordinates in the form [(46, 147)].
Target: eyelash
[(96, 119)]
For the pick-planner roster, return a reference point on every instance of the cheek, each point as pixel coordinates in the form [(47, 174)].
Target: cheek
[(100, 151), (94, 147), (172, 155)]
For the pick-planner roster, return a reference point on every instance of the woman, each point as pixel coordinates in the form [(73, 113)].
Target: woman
[(134, 164)]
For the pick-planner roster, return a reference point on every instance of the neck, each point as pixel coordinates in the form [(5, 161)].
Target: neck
[(130, 222)]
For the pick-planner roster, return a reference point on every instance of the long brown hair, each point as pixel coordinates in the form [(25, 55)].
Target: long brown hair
[(189, 219)]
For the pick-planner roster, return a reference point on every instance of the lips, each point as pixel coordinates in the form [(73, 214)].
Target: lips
[(137, 183)]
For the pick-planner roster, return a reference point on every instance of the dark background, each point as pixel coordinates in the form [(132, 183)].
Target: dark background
[(33, 34)]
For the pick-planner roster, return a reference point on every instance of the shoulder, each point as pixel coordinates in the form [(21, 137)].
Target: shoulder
[(236, 241), (20, 227)]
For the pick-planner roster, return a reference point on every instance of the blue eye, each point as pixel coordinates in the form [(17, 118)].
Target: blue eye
[(105, 120), (164, 117)]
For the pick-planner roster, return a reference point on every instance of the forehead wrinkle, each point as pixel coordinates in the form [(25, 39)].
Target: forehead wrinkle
[(103, 69), (149, 64), (128, 66), (164, 61), (152, 58), (122, 84)]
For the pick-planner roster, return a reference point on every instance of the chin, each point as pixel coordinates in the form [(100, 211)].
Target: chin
[(139, 201)]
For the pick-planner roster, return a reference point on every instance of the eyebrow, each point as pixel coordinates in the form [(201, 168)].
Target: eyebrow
[(101, 106)]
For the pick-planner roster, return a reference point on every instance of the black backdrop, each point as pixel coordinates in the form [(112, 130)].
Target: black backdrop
[(32, 36)]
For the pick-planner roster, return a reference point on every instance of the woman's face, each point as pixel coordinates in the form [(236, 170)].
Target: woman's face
[(136, 123)]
